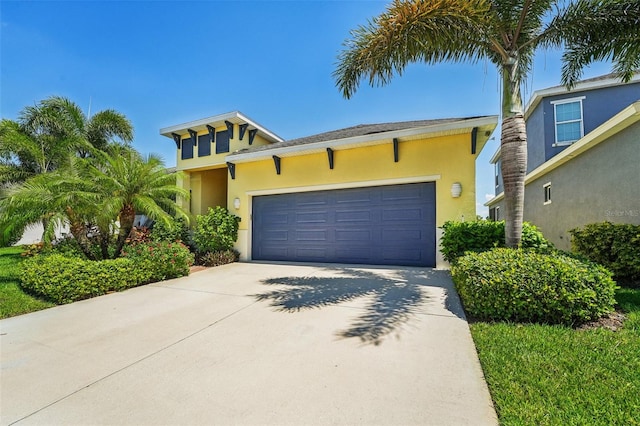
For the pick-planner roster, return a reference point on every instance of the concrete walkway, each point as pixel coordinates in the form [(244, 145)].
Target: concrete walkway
[(251, 344)]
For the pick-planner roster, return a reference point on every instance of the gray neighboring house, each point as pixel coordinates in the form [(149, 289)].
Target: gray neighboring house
[(583, 161)]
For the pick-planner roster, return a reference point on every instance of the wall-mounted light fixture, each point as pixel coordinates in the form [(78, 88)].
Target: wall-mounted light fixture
[(456, 189), (236, 203)]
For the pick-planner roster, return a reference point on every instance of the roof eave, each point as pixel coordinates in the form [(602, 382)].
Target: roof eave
[(236, 116), (488, 122)]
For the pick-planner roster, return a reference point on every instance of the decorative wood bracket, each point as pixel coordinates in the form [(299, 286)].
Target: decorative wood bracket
[(194, 136), (232, 170), (330, 156), (252, 135), (229, 128), (276, 161), (212, 133), (474, 139), (176, 139), (395, 150), (243, 129)]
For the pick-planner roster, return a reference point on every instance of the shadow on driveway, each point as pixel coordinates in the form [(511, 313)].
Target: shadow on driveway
[(394, 296)]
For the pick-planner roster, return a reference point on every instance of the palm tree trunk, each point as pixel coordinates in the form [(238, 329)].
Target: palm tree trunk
[(513, 154), (79, 232), (127, 217)]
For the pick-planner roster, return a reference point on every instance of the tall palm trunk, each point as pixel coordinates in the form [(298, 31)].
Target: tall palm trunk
[(79, 231), (127, 217), (513, 153)]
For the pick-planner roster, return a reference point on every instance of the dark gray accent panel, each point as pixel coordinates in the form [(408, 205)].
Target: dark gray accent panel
[(204, 145), (383, 225), (187, 149), (222, 142)]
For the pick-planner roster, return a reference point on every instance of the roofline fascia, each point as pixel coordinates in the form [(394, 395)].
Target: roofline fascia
[(363, 140), (614, 125), (496, 156), (166, 131), (538, 95)]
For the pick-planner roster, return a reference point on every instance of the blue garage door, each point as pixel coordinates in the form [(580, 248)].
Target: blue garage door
[(382, 225)]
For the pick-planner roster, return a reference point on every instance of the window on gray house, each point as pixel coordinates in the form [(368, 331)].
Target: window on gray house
[(547, 193), (568, 120)]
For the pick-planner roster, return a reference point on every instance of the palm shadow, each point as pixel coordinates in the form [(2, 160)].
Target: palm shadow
[(394, 296)]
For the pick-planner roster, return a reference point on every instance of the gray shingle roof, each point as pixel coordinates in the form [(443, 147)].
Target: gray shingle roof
[(359, 130)]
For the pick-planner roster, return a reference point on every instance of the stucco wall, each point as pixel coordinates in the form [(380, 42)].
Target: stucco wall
[(602, 184), (444, 160)]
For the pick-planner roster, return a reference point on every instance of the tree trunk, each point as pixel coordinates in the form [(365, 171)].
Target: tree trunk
[(513, 153), (127, 217), (79, 232)]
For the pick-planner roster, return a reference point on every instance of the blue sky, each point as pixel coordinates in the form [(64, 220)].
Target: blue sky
[(167, 62)]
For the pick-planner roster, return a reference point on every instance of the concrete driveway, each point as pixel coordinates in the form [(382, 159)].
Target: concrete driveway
[(251, 343)]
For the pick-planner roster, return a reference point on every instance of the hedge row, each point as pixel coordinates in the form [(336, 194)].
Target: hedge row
[(64, 279), (527, 286), (482, 235), (615, 246)]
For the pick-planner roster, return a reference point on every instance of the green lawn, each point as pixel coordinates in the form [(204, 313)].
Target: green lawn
[(14, 301), (553, 375)]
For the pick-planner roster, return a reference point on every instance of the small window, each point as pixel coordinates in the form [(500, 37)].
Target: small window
[(497, 174), (187, 149), (204, 145), (547, 193), (568, 120), (497, 213), (222, 142)]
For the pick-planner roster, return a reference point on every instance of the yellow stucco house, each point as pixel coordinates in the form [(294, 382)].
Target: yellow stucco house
[(370, 194)]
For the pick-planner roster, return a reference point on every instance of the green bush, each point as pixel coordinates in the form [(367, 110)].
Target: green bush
[(177, 230), (218, 258), (483, 235), (615, 246), (527, 286), (215, 231), (64, 279), (164, 260)]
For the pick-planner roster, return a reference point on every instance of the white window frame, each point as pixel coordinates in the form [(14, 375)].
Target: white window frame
[(545, 187), (555, 120), (497, 174)]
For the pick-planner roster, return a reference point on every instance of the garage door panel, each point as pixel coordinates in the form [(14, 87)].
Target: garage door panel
[(353, 216), (376, 225)]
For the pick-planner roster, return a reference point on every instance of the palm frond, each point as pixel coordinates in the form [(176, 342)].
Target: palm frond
[(596, 30), (429, 31)]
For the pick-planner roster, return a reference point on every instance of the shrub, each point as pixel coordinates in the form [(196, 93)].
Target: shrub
[(163, 259), (218, 258), (177, 230), (527, 286), (215, 231), (483, 235), (63, 279), (615, 246)]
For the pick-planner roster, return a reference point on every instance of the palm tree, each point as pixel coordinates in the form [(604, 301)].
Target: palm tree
[(94, 193), (506, 33), (99, 131), (129, 184)]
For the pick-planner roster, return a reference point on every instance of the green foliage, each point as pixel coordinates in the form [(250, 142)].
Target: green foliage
[(13, 300), (615, 246), (526, 286), (554, 375), (63, 279), (163, 260), (215, 231), (483, 235), (175, 229), (218, 258)]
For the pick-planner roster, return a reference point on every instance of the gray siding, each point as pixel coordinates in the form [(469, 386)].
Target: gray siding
[(598, 106), (602, 184), (535, 137)]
